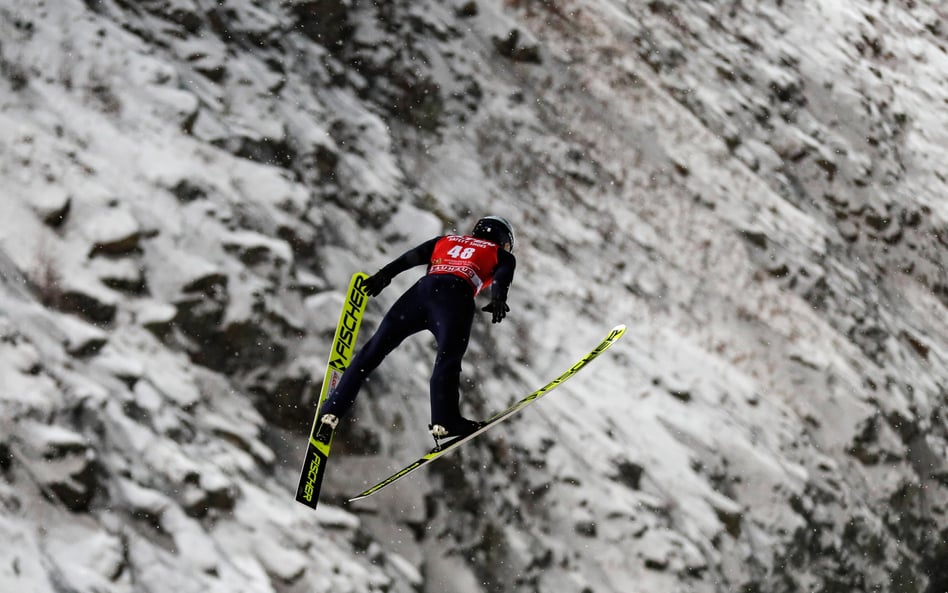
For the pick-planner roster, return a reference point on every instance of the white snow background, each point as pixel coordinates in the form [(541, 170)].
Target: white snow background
[(756, 188)]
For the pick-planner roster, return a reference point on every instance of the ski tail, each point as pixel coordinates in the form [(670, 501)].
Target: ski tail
[(343, 348), (437, 452)]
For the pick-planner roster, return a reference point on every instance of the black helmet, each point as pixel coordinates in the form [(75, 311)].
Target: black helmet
[(495, 229)]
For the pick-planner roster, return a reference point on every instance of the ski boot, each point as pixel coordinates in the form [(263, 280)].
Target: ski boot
[(327, 424), (457, 430)]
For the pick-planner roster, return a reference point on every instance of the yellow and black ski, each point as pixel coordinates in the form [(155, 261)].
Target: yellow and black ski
[(452, 444), (343, 347)]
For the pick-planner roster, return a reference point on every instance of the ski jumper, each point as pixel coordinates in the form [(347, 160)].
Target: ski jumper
[(441, 301)]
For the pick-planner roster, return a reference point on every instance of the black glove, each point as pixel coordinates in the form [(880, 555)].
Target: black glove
[(498, 308), (374, 284)]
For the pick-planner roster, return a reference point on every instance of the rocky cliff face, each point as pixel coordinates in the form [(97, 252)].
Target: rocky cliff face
[(755, 188)]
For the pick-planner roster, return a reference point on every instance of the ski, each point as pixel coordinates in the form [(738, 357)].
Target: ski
[(343, 347), (454, 443)]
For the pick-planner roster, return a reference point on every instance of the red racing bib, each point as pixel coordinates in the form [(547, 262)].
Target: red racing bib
[(467, 257)]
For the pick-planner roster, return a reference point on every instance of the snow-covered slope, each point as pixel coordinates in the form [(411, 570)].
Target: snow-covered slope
[(755, 188)]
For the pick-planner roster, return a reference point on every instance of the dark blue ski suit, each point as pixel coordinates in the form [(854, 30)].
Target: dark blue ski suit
[(442, 301)]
